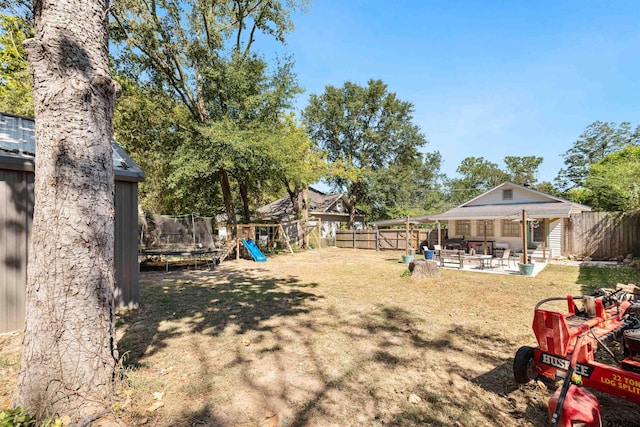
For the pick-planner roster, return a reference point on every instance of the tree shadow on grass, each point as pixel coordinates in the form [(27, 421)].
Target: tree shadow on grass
[(206, 302), (392, 328), (451, 396), (593, 278)]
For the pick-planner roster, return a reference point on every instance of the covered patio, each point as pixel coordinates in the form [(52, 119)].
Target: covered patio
[(492, 265), (510, 220)]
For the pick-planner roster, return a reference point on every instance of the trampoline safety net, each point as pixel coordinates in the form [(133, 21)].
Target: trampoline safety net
[(175, 232)]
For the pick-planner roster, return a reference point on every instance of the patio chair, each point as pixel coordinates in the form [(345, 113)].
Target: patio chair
[(504, 258), (437, 249)]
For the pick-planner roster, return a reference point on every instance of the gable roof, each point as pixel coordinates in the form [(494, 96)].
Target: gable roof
[(319, 203), (18, 149), (538, 205), (488, 206)]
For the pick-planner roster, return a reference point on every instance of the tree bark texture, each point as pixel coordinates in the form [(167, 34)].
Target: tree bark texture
[(424, 268), (244, 195), (228, 201), (305, 216), (298, 203), (353, 200), (69, 349)]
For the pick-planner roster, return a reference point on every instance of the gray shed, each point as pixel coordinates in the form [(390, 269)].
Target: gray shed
[(17, 151)]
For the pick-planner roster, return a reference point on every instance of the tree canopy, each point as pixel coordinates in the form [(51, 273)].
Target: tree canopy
[(522, 170), (201, 55), (613, 183), (479, 175), (364, 131), (15, 80), (597, 141)]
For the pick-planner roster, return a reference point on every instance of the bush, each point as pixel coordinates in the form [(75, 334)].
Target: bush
[(17, 417)]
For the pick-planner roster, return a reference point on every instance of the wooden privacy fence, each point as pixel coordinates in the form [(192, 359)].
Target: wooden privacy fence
[(602, 235), (386, 239), (599, 235)]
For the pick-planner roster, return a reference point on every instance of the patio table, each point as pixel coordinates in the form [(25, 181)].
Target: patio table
[(484, 260)]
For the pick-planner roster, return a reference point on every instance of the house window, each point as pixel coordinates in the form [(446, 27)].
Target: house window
[(480, 228), (507, 194), (463, 226), (510, 228)]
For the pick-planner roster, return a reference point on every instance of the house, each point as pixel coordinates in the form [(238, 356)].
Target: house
[(330, 210), (495, 217), (17, 151)]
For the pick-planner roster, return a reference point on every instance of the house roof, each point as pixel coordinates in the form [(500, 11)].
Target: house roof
[(18, 148), (319, 204), (504, 211), (537, 204), (488, 206)]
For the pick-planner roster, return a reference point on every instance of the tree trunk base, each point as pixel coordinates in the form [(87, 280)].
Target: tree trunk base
[(424, 268)]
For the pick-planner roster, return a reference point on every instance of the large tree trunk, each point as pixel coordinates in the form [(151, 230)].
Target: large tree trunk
[(353, 200), (244, 195), (228, 201), (305, 216), (299, 201), (69, 349)]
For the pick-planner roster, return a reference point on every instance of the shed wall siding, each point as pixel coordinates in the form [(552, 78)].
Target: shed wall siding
[(16, 211), (126, 244)]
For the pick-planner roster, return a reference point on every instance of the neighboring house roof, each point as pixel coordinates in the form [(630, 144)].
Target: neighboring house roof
[(491, 205), (18, 148), (319, 204)]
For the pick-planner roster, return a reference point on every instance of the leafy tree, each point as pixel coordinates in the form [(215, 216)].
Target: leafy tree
[(201, 54), (613, 183), (15, 81), (151, 126), (548, 188), (69, 345), (522, 169), (478, 176), (597, 141), (363, 130), (409, 189)]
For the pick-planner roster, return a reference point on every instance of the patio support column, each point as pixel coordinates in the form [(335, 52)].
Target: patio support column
[(484, 246), (406, 244), (544, 239), (439, 231), (524, 237)]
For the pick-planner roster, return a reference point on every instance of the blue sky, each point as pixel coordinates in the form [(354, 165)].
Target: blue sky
[(487, 78)]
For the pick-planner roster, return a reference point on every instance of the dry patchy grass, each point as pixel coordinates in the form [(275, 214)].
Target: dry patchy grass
[(333, 338)]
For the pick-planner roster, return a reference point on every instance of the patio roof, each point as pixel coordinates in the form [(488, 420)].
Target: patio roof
[(514, 211), (487, 207)]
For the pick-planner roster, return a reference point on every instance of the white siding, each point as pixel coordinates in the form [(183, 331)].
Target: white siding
[(520, 195), (555, 238)]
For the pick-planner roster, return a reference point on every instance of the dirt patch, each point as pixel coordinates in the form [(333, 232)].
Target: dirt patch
[(332, 337)]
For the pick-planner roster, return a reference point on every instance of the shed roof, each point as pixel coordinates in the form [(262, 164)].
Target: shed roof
[(18, 149)]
